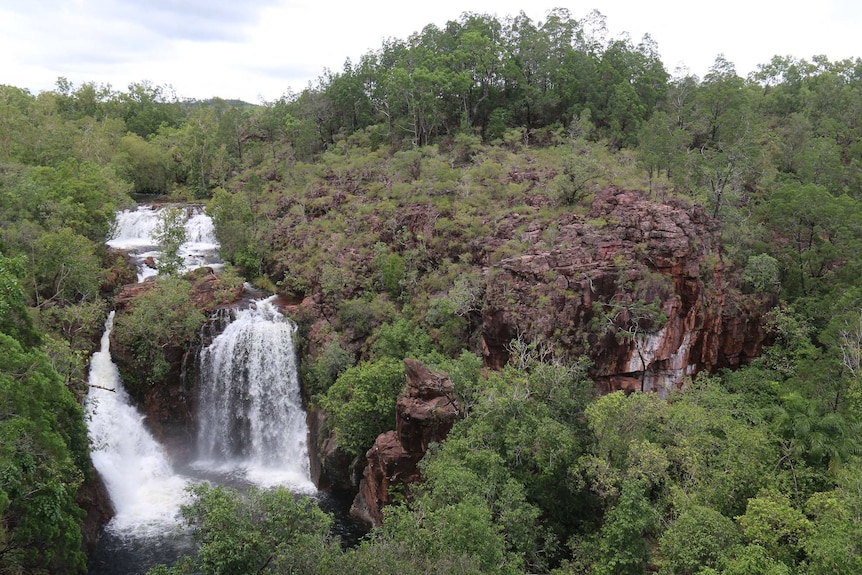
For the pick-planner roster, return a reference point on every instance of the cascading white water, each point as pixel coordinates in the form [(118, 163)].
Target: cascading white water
[(144, 489), (134, 230), (252, 426), (250, 408)]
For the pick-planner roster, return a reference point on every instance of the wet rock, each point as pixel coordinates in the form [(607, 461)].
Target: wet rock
[(93, 498), (331, 468)]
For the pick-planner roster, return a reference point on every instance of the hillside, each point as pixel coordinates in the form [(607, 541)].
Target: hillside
[(642, 290)]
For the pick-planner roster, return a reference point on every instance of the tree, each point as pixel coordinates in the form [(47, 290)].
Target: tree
[(772, 523), (65, 267), (832, 542), (258, 531), (146, 107), (144, 163), (661, 144), (698, 537), (162, 317), (14, 318), (170, 233), (462, 528), (43, 458), (581, 171), (720, 453), (362, 402), (236, 225), (623, 540), (821, 233)]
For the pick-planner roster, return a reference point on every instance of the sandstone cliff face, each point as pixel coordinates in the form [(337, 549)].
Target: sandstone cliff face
[(639, 286), (426, 412)]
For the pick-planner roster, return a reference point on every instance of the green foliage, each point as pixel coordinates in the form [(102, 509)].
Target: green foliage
[(719, 452), (699, 537), (622, 543), (398, 340), (762, 272), (362, 402), (821, 232), (269, 531), (390, 267), (163, 316), (235, 227), (143, 163), (81, 196), (170, 233), (388, 230), (361, 316), (465, 372), (43, 456), (831, 542), (754, 559), (66, 268), (459, 471), (14, 318), (581, 171), (463, 528), (773, 524), (327, 367)]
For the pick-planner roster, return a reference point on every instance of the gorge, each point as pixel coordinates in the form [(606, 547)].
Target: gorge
[(633, 299)]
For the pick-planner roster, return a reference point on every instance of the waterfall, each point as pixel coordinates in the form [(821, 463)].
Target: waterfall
[(143, 487), (251, 423), (134, 229), (251, 419)]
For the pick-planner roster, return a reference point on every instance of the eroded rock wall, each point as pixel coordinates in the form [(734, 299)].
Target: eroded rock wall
[(639, 286)]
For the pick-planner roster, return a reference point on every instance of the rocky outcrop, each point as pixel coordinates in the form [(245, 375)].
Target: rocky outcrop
[(330, 467), (169, 403), (426, 412), (639, 286)]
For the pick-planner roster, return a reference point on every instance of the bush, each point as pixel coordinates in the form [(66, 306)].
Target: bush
[(327, 367), (398, 340), (362, 402), (162, 317), (763, 273)]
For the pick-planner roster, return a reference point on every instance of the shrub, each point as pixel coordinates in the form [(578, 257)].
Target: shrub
[(362, 402)]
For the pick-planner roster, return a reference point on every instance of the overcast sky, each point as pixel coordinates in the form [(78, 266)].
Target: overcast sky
[(260, 49)]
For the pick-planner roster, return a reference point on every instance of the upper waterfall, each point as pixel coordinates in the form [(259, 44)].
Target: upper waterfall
[(134, 231), (250, 407)]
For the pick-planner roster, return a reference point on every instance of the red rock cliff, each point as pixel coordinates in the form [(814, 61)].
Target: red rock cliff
[(639, 286)]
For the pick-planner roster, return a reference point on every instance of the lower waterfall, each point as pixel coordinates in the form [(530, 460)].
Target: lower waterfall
[(251, 419), (144, 489)]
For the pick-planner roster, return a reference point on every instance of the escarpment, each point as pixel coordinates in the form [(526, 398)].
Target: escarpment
[(640, 287)]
